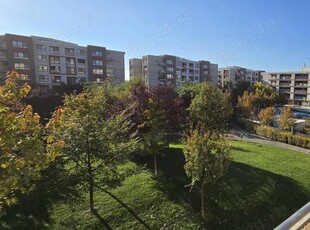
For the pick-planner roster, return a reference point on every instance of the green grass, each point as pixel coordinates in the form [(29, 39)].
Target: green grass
[(264, 185)]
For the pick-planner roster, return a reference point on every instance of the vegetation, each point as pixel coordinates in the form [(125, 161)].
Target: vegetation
[(286, 120), (266, 115)]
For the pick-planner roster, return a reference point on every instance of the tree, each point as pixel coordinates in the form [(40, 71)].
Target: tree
[(307, 126), (286, 120), (22, 155), (210, 110), (188, 91), (154, 135), (266, 115), (95, 140), (207, 160), (245, 104), (168, 100)]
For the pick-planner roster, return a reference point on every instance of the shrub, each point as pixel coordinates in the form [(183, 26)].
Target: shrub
[(282, 136)]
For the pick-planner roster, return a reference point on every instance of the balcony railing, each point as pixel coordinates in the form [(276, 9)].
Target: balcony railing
[(301, 91), (299, 220)]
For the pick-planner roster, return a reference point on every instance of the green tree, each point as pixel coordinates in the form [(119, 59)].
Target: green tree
[(22, 154), (286, 120), (266, 115), (154, 138), (207, 160), (210, 109), (307, 126), (95, 140)]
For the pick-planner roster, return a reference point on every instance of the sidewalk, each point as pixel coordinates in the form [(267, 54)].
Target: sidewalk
[(240, 134)]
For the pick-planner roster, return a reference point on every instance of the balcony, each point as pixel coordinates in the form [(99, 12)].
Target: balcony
[(300, 91)]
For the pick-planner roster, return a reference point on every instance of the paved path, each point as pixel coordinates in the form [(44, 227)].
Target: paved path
[(241, 134)]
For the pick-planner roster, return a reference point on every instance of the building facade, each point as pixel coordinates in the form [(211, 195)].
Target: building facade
[(50, 62), (172, 70), (295, 85), (233, 74)]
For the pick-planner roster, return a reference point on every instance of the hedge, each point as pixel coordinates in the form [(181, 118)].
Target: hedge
[(282, 136)]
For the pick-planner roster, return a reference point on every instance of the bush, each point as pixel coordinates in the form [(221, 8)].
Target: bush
[(282, 136)]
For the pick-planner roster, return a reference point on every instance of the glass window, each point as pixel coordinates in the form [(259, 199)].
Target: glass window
[(97, 53), (81, 70), (70, 61), (54, 49), (69, 51), (42, 57), (70, 70), (54, 60), (21, 66), (41, 47), (81, 61), (170, 69), (71, 80), (55, 69), (97, 71), (43, 78), (170, 62), (24, 77), (43, 68), (97, 62), (81, 52), (56, 79), (19, 44), (20, 55), (169, 76)]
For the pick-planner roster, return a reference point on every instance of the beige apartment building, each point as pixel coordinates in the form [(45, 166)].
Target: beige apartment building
[(233, 74), (50, 62), (295, 85), (171, 70)]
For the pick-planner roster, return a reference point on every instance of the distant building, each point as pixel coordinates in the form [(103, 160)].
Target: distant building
[(50, 62), (172, 70), (295, 85), (233, 74)]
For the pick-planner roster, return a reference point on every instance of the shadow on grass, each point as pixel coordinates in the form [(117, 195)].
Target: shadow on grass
[(246, 198), (33, 209)]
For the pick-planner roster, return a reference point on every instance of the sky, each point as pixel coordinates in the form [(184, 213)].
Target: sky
[(256, 34)]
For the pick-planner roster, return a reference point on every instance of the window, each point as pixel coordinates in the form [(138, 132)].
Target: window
[(20, 55), (69, 51), (97, 62), (196, 65), (54, 60), (54, 50), (42, 57), (169, 76), (70, 61), (196, 71), (70, 70), (21, 66), (191, 65), (205, 72), (19, 44), (81, 79), (196, 78), (170, 62), (24, 77), (43, 68), (43, 78), (170, 69), (56, 79), (205, 66), (81, 61), (80, 52), (81, 70), (41, 47), (97, 71), (97, 53), (55, 69), (71, 80)]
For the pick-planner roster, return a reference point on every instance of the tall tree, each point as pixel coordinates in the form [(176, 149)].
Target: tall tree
[(207, 159), (93, 139), (266, 115), (210, 109), (168, 100), (154, 137), (286, 120), (22, 154), (245, 104)]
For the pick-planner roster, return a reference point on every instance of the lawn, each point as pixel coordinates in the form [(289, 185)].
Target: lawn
[(264, 185)]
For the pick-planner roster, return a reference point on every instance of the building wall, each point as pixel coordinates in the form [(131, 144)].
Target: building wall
[(135, 68), (115, 66), (235, 74), (96, 53), (153, 70), (4, 64), (294, 85)]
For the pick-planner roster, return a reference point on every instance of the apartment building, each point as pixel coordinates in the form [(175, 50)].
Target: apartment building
[(295, 85), (172, 70), (233, 74), (50, 62)]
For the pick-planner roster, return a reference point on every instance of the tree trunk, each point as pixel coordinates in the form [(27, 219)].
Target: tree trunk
[(91, 184), (155, 164), (202, 201)]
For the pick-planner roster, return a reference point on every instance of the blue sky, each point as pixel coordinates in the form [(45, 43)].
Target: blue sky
[(258, 34)]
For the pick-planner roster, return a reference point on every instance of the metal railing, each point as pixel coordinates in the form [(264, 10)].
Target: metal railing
[(298, 221)]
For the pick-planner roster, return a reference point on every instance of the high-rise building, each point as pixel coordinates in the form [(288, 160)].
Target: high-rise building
[(295, 85), (50, 62), (172, 70), (233, 74)]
